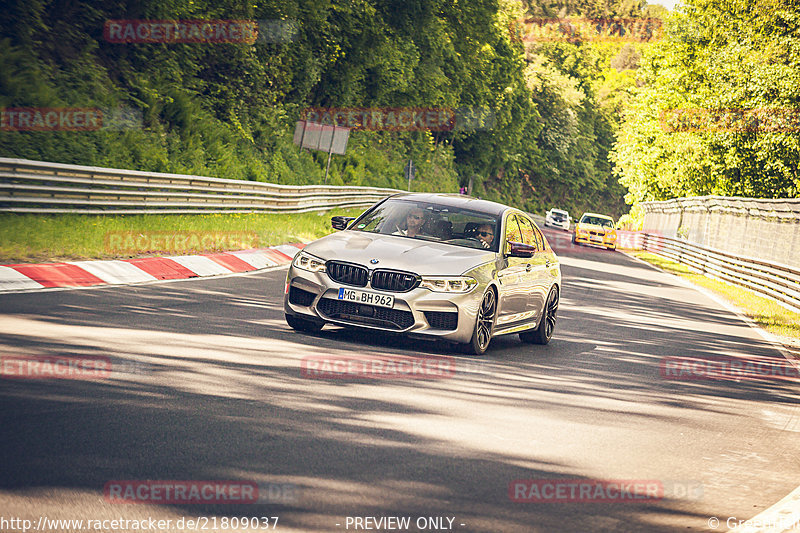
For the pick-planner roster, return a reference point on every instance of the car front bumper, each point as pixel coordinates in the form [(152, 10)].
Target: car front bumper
[(563, 224), (597, 240), (419, 312)]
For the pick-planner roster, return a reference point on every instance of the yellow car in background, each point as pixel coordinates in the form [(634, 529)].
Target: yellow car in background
[(595, 229)]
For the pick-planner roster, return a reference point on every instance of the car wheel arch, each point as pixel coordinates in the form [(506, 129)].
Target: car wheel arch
[(539, 334), (475, 346)]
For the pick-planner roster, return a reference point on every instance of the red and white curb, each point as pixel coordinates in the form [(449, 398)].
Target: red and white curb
[(26, 277)]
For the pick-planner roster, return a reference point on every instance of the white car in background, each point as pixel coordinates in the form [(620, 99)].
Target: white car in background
[(558, 218)]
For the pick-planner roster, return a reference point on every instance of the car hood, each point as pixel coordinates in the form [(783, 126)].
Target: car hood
[(400, 253), (594, 227)]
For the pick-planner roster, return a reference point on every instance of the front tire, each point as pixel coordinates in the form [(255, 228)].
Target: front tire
[(543, 333), (484, 324), (301, 324)]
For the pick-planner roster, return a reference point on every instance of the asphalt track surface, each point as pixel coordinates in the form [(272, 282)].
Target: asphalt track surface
[(214, 391)]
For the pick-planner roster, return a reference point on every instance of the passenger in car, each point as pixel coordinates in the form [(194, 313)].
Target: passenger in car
[(485, 233)]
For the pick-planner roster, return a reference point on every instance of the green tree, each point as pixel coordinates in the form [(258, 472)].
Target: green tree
[(717, 113)]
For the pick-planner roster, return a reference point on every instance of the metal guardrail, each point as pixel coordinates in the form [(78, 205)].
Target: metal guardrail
[(774, 280), (766, 208), (40, 187), (771, 225)]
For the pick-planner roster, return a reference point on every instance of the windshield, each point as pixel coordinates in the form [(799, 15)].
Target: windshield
[(431, 222), (597, 221)]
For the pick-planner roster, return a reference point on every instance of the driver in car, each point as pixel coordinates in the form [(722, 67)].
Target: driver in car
[(415, 220)]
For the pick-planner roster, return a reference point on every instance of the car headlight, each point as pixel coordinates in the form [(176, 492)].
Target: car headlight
[(611, 236), (308, 262), (460, 284), (581, 230)]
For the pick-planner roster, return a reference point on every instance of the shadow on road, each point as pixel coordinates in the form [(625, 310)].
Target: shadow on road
[(223, 397)]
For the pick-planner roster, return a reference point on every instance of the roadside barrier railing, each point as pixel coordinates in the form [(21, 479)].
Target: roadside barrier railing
[(40, 187), (774, 280), (764, 228)]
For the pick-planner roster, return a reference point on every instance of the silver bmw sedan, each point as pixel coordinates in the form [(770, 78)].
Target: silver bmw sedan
[(440, 266)]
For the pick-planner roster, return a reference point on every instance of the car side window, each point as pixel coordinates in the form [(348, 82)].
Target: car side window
[(544, 245), (529, 234), (513, 233)]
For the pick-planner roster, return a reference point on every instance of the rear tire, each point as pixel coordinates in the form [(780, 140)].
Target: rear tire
[(543, 333), (301, 324)]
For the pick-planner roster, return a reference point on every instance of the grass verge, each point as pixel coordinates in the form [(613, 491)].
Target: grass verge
[(769, 315), (26, 238)]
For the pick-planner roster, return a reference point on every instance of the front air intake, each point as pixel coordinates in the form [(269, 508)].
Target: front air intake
[(347, 273)]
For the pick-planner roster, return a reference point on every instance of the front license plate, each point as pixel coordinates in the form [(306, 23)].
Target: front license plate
[(596, 239), (369, 298)]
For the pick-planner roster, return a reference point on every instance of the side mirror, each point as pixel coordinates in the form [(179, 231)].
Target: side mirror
[(339, 222), (521, 250)]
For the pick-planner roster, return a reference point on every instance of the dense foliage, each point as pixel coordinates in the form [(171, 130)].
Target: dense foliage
[(229, 110), (718, 111)]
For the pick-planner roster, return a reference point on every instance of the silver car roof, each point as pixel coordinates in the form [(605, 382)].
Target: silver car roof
[(455, 200)]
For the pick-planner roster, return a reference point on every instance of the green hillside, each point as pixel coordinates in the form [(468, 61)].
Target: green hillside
[(228, 110)]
